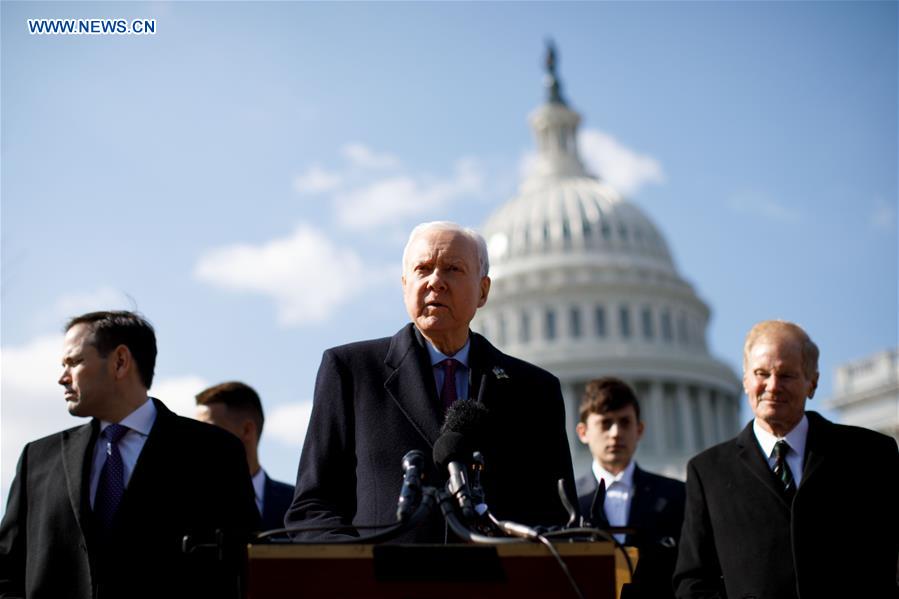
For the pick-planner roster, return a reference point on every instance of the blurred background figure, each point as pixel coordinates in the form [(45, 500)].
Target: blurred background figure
[(652, 505), (236, 407)]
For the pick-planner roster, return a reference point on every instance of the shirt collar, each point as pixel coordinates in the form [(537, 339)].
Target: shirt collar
[(795, 438), (259, 484), (140, 420), (624, 478), (437, 356)]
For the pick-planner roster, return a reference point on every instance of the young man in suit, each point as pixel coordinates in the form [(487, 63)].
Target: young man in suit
[(795, 506), (117, 507), (629, 496), (236, 407), (376, 400)]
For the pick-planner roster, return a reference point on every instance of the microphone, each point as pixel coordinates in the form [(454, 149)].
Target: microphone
[(468, 418), (450, 451), (410, 494), (597, 511), (463, 432)]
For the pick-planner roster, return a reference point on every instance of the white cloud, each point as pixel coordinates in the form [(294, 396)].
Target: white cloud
[(31, 401), (178, 392), (760, 204), (316, 180), (35, 367), (623, 168), (307, 275), (32, 404), (365, 197), (287, 423), (387, 201), (359, 157), (883, 217), (362, 156)]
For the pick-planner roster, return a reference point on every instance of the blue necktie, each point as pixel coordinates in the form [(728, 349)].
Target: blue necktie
[(111, 487)]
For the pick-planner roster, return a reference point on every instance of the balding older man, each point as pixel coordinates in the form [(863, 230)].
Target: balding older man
[(795, 506), (376, 400)]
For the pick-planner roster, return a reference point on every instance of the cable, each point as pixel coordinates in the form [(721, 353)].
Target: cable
[(565, 570), (595, 532), (531, 534)]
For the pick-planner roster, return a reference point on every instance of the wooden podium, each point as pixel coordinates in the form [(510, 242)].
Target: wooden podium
[(434, 571)]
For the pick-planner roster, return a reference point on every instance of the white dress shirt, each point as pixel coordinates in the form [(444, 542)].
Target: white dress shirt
[(139, 423), (461, 370), (619, 490), (259, 488), (795, 439)]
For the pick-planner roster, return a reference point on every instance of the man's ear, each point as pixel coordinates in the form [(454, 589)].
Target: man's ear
[(581, 430), (485, 291), (814, 386), (248, 430), (121, 361)]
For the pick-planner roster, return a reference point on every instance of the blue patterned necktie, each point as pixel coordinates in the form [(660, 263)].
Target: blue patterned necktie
[(782, 469), (111, 487)]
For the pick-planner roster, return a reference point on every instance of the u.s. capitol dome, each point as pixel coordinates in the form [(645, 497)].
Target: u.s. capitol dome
[(584, 285)]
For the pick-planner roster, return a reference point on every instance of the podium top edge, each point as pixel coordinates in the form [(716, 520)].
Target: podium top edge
[(360, 551)]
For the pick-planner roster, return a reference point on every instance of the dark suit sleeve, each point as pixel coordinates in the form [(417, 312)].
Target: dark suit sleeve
[(564, 468), (275, 503), (325, 493), (698, 573), (532, 447), (12, 536)]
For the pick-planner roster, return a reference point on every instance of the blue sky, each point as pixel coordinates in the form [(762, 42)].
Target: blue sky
[(246, 176)]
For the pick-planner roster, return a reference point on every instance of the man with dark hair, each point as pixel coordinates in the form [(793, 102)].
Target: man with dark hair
[(794, 506), (117, 507), (625, 494), (236, 407), (376, 400)]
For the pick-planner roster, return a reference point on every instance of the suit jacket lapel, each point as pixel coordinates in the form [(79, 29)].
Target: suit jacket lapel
[(74, 446), (815, 445), (750, 456), (485, 362), (150, 462), (411, 384), (641, 508)]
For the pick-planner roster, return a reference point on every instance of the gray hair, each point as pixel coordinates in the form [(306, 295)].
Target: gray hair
[(445, 225), (808, 347)]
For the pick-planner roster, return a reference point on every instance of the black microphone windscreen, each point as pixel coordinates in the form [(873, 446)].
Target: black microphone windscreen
[(451, 447), (467, 418)]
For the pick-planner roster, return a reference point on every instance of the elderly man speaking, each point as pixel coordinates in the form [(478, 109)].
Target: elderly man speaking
[(376, 400)]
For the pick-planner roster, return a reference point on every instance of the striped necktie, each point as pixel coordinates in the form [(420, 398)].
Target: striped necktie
[(782, 469)]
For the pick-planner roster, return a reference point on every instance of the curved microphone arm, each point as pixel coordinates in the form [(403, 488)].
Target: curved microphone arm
[(447, 508)]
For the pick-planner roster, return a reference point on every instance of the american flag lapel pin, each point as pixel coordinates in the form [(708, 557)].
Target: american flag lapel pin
[(499, 373)]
